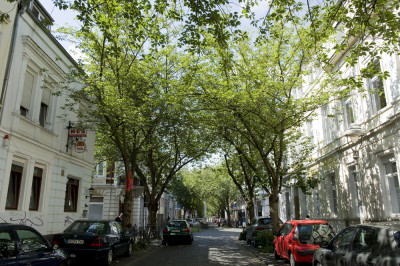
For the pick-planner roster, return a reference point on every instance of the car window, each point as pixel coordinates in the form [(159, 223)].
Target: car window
[(365, 239), (114, 229), (31, 242), (8, 246), (341, 243), (81, 227), (179, 224), (119, 228), (285, 229), (315, 233), (397, 239), (264, 221)]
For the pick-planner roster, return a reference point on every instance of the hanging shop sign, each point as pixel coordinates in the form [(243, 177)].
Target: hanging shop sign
[(80, 146), (77, 133)]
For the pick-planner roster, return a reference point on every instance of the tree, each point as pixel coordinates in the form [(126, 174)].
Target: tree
[(133, 78)]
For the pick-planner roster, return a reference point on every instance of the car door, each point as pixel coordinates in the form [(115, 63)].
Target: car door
[(8, 248), (34, 249), (115, 235), (124, 237), (287, 240), (365, 247), (340, 247), (281, 236)]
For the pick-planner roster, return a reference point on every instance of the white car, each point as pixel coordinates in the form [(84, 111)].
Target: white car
[(192, 222)]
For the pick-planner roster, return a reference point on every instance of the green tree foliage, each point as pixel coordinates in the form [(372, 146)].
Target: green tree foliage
[(133, 77)]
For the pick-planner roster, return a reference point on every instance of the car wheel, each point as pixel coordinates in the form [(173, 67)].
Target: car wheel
[(292, 260), (130, 249), (109, 257), (277, 257)]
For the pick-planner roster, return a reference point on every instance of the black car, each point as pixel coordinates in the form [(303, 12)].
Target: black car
[(95, 240), (23, 245), (367, 244), (177, 230)]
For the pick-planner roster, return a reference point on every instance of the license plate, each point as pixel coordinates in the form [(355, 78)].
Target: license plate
[(75, 241), (176, 231)]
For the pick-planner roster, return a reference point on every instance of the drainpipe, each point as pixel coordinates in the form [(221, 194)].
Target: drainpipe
[(20, 11)]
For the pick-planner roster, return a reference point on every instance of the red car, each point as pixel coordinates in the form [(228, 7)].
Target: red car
[(298, 240)]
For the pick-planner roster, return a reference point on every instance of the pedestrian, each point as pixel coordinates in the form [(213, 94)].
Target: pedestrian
[(119, 218), (168, 219)]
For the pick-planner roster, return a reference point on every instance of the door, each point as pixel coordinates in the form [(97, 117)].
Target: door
[(282, 237), (340, 248), (365, 248), (8, 248), (34, 249)]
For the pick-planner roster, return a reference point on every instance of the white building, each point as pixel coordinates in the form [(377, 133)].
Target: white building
[(357, 153), (108, 196), (44, 175)]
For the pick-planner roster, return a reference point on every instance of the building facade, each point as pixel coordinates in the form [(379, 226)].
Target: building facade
[(357, 151), (45, 162)]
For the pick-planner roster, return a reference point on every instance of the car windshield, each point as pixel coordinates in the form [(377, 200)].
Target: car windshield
[(314, 233), (177, 224), (264, 221), (81, 227)]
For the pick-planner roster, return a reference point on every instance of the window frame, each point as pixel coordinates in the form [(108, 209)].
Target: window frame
[(72, 191), (16, 172), (35, 191), (377, 94)]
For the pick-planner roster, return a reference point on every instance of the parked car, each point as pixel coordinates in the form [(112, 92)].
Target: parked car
[(23, 245), (258, 224), (95, 240), (367, 244), (192, 222), (177, 230), (298, 240)]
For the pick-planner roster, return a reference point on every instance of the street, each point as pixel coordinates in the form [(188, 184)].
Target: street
[(213, 246)]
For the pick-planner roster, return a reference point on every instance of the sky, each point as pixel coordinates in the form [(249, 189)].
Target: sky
[(66, 17)]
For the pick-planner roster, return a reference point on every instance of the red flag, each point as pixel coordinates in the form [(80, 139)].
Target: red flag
[(129, 181)]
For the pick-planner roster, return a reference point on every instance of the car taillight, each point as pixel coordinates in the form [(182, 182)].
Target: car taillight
[(96, 242), (187, 229), (296, 235), (260, 228), (55, 242)]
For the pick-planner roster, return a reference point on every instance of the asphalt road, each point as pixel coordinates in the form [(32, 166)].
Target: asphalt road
[(213, 246)]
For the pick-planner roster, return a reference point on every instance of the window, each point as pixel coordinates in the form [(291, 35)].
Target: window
[(353, 186), (27, 94), (390, 170), (348, 111), (326, 125), (342, 242), (44, 107), (14, 187), (317, 205), (71, 195), (100, 169), (288, 206), (31, 242), (365, 239), (376, 89), (36, 186), (8, 246), (333, 196)]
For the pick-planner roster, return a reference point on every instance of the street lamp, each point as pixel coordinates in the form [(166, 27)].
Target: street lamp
[(354, 133)]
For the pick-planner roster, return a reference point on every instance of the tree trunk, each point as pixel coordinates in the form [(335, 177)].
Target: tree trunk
[(250, 210), (274, 211), (128, 206), (153, 208)]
